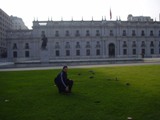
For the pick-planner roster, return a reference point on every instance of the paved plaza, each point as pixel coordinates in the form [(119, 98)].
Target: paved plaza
[(146, 61)]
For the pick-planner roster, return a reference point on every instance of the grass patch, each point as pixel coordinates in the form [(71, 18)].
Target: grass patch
[(108, 93)]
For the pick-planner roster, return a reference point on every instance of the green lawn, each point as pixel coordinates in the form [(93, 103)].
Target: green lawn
[(107, 93)]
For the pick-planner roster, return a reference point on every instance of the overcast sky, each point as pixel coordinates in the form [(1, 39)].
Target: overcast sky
[(29, 10)]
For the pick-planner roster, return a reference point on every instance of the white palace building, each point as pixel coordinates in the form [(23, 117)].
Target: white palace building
[(85, 40)]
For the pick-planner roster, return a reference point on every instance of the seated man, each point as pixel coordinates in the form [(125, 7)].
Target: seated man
[(62, 82)]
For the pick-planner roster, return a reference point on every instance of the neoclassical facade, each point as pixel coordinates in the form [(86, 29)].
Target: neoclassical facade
[(66, 40), (5, 24)]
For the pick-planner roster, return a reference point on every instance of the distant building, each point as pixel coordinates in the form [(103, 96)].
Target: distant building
[(5, 24), (139, 18), (78, 40), (75, 40), (17, 23)]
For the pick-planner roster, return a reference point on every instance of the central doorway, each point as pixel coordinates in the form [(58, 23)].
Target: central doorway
[(111, 50)]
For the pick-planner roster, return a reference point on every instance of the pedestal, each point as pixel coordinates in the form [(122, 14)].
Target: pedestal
[(44, 56)]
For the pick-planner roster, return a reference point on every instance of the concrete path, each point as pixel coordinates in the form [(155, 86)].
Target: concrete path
[(146, 62)]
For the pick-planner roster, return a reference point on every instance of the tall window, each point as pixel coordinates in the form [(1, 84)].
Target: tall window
[(98, 52), (77, 33), (88, 52), (134, 51), (26, 53), (67, 52), (78, 52), (15, 54), (143, 44), (134, 44), (57, 53), (97, 33), (133, 33), (142, 33), (27, 46), (67, 33), (77, 45), (151, 33), (124, 51), (88, 44), (57, 34), (14, 46), (152, 51), (124, 33), (111, 33), (151, 44), (143, 51), (98, 45), (57, 45), (87, 33), (124, 44), (67, 45)]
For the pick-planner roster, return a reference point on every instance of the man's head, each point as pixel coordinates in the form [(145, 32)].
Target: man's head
[(65, 68)]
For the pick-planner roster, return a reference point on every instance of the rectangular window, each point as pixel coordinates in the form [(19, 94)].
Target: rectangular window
[(67, 52), (134, 51), (26, 53), (78, 52), (151, 33), (14, 46), (26, 46), (124, 51), (87, 33), (57, 53), (77, 33), (67, 33), (142, 33), (88, 52), (98, 52), (152, 51), (124, 33), (57, 34), (133, 33), (152, 44), (111, 33), (143, 51), (97, 33), (15, 54)]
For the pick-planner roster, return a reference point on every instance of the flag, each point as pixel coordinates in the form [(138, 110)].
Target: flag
[(110, 14)]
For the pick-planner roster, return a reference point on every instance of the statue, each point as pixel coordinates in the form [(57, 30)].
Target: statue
[(44, 41)]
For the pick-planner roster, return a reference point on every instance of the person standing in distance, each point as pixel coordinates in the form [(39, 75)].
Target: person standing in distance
[(62, 82)]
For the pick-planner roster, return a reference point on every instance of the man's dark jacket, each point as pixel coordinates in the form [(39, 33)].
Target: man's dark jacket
[(61, 80)]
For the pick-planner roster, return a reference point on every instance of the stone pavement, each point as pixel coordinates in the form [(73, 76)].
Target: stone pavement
[(147, 61)]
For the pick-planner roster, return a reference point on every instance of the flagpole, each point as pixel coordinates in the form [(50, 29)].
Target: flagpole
[(110, 14)]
